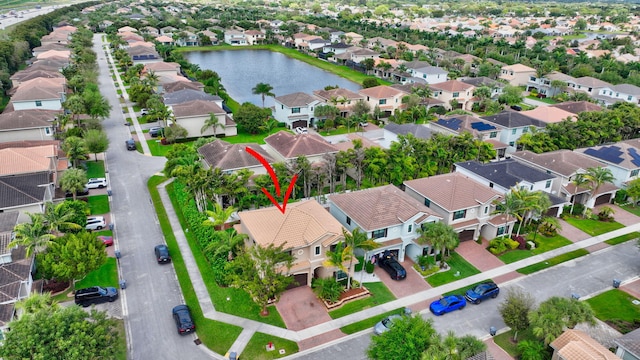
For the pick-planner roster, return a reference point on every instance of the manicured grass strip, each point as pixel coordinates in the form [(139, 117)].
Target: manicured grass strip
[(368, 323), (544, 244), (379, 295), (228, 300), (593, 227), (615, 304), (632, 209), (515, 255), (456, 264), (95, 169), (553, 261), (104, 233), (256, 348), (106, 275), (215, 335), (157, 149), (99, 204), (504, 341), (623, 238), (120, 348)]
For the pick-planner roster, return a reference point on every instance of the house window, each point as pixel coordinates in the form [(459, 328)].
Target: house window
[(382, 101), (459, 214), (513, 132), (634, 172), (377, 234), (548, 184), (629, 98), (317, 250), (525, 130), (47, 131), (493, 134), (486, 209), (348, 220), (427, 202), (282, 107), (38, 103), (501, 230), (340, 275), (512, 143), (491, 185), (410, 229), (456, 94), (295, 110)]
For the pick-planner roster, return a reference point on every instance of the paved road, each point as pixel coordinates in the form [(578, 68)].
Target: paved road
[(152, 290), (26, 15), (587, 275)]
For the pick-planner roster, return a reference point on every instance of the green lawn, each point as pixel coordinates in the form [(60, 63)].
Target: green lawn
[(215, 335), (244, 137), (544, 244), (458, 266), (157, 149), (120, 349), (256, 348), (632, 209), (106, 275), (615, 305), (593, 227), (225, 299), (504, 341), (99, 204), (553, 261), (623, 238), (379, 295), (95, 169), (368, 323), (339, 131), (546, 100)]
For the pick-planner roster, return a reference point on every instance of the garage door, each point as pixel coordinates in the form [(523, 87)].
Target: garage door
[(298, 280), (466, 235), (300, 123), (603, 199)]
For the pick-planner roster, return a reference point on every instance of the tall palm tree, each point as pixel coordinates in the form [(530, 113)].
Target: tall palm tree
[(509, 207), (32, 235), (75, 149), (354, 241), (218, 216), (597, 177), (263, 90), (73, 180), (36, 302), (440, 236), (212, 122), (337, 258), (579, 180), (58, 216)]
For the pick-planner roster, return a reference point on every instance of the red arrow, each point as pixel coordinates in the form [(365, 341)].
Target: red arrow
[(274, 178)]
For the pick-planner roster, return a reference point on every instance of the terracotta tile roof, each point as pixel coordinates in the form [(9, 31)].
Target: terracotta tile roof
[(577, 345), (302, 224), (564, 162), (181, 85), (196, 108), (164, 39), (453, 191), (292, 146), (337, 94), (27, 119), (26, 160), (452, 86), (518, 68), (161, 66), (381, 92), (577, 107), (40, 89), (54, 54), (229, 157), (500, 219), (549, 114), (497, 144), (380, 207), (465, 224), (298, 99)]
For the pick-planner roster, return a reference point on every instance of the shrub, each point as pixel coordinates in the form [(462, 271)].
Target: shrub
[(360, 264), (328, 289), (578, 209), (423, 261), (512, 244), (369, 267), (502, 244), (621, 197), (522, 242), (605, 214)]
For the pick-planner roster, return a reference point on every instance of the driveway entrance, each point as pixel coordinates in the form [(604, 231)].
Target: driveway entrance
[(412, 284)]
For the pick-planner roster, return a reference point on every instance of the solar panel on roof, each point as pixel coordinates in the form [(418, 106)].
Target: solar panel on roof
[(482, 126), (453, 124), (636, 157), (612, 154)]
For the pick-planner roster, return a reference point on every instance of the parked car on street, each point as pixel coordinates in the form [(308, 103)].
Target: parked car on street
[(144, 111), (131, 144), (95, 183), (389, 263), (95, 295), (183, 319), (482, 292), (386, 324), (106, 240), (447, 304), (95, 223), (162, 254)]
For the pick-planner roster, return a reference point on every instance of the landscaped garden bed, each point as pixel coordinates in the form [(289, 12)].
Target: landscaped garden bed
[(346, 296)]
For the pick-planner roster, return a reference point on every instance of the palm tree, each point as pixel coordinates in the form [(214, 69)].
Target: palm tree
[(578, 180), (73, 180), (337, 257), (75, 149), (36, 302), (33, 235), (212, 122), (597, 177), (354, 241), (509, 207), (218, 216), (228, 241), (439, 236), (58, 216), (263, 90)]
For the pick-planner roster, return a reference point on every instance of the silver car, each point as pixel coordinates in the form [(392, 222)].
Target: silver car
[(386, 324)]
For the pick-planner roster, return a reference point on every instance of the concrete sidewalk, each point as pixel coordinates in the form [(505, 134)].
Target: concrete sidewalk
[(251, 326)]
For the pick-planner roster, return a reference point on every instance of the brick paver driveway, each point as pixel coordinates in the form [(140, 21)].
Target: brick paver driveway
[(620, 215), (414, 282), (478, 255)]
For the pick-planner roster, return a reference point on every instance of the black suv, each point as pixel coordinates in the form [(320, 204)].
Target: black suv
[(95, 295), (389, 263), (481, 292), (162, 254), (182, 317)]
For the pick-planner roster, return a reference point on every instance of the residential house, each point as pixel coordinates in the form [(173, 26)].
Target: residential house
[(213, 37), (421, 73), (454, 94), (629, 345), (284, 146), (254, 37), (165, 40), (16, 281), (565, 165), (506, 174), (464, 204), (544, 86), (615, 93), (233, 157), (125, 29), (55, 38), (512, 125), (517, 74), (296, 110), (21, 160), (168, 31), (495, 86), (336, 48), (353, 38), (575, 344), (187, 95), (589, 85), (549, 114), (192, 116), (336, 36), (26, 193), (317, 43), (458, 124), (387, 215), (187, 38), (381, 44), (576, 107), (28, 74), (358, 54), (142, 54), (40, 93), (235, 38), (181, 85), (306, 230), (343, 99), (8, 221), (49, 54), (40, 49), (622, 158), (161, 68), (150, 30), (392, 131), (384, 97), (27, 125)]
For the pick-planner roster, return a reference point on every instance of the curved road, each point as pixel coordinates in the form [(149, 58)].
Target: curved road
[(152, 289)]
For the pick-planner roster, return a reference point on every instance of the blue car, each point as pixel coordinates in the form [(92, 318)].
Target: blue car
[(447, 304), (481, 292)]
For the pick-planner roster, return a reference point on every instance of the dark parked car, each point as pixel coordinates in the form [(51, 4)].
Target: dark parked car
[(389, 263), (156, 131), (95, 295), (184, 322), (516, 107), (448, 304), (83, 192), (481, 292), (162, 254), (131, 144)]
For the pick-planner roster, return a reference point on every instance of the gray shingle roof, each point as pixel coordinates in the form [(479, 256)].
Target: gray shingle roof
[(630, 342), (419, 131), (18, 190), (27, 119), (182, 96), (506, 173), (513, 119)]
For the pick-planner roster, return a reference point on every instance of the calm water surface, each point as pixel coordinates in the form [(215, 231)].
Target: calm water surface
[(241, 70)]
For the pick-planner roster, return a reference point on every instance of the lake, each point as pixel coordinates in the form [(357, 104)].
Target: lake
[(241, 70)]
